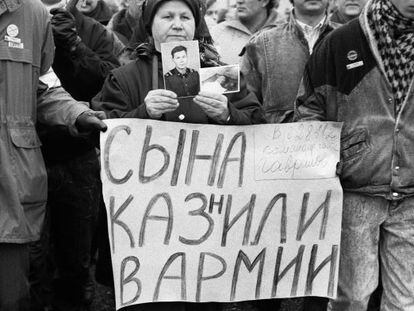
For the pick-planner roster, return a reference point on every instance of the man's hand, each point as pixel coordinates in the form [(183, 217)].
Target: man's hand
[(160, 101), (90, 121), (214, 105), (64, 29)]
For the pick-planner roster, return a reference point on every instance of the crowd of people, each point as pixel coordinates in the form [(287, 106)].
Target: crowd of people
[(66, 66)]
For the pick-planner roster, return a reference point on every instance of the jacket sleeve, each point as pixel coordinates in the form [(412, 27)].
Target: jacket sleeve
[(54, 105), (310, 102), (314, 90), (252, 66), (116, 103), (244, 106), (93, 58)]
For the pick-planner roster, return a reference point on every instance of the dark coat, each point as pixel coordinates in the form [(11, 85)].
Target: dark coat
[(82, 73)]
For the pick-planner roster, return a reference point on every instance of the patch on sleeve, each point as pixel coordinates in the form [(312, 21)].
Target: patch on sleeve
[(50, 79)]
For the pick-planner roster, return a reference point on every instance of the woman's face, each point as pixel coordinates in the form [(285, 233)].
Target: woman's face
[(212, 11), (173, 21)]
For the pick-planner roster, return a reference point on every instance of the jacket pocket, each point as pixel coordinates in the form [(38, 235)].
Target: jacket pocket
[(28, 165), (21, 83), (354, 144), (355, 149)]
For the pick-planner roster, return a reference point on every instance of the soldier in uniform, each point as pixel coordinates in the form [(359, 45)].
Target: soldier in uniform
[(182, 80)]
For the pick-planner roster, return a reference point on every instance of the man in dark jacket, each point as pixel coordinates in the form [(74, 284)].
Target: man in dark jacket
[(83, 58), (363, 75)]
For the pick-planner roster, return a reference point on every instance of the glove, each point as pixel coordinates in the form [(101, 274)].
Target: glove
[(64, 29), (90, 121)]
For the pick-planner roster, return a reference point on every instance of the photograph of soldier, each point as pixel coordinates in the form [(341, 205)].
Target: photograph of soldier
[(223, 79), (181, 72)]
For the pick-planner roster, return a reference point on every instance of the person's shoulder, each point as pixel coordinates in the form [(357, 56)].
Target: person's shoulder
[(136, 67), (220, 30), (344, 34), (191, 70), (169, 74), (36, 7), (34, 4), (219, 27), (257, 42), (337, 43), (37, 17), (271, 31), (334, 25), (351, 27), (87, 23)]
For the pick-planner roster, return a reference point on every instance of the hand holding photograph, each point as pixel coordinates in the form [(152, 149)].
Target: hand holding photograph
[(222, 80)]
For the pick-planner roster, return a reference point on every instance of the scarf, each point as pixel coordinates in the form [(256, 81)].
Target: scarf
[(394, 35)]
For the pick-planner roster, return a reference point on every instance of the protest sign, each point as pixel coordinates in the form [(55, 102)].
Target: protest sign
[(221, 213)]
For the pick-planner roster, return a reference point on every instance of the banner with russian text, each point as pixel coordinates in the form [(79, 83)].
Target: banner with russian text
[(204, 213)]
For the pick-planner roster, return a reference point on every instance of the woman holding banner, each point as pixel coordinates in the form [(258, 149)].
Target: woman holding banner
[(136, 90)]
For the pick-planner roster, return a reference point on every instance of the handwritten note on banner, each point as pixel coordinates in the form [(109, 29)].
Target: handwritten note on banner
[(221, 213)]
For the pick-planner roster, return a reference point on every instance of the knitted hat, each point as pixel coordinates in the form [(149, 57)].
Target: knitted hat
[(150, 7)]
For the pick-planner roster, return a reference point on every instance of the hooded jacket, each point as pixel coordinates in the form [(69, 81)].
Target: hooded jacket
[(345, 81)]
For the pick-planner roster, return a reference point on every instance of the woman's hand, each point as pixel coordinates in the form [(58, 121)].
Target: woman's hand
[(160, 101), (214, 105)]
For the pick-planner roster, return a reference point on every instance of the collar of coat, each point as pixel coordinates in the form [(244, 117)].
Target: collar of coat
[(293, 25), (327, 23)]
